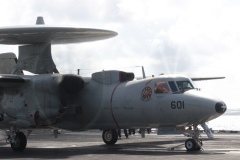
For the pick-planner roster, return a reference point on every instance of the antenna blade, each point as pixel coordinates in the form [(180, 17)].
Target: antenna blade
[(143, 72)]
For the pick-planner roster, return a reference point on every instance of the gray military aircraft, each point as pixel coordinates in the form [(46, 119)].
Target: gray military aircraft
[(109, 100)]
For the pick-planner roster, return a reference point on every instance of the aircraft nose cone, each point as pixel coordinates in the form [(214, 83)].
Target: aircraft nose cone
[(220, 107)]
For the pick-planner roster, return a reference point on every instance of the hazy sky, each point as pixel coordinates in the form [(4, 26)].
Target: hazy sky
[(191, 37)]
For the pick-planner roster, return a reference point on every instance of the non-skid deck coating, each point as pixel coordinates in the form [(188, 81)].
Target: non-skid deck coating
[(89, 146)]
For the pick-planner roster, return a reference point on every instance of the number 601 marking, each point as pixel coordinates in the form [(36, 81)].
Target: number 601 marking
[(177, 104)]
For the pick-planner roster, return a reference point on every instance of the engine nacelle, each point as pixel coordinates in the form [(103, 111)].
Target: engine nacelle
[(44, 98), (68, 84), (55, 91)]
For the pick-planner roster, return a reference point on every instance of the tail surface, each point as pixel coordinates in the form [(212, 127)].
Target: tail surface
[(7, 62)]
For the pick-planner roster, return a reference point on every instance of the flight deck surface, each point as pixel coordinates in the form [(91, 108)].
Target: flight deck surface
[(89, 145)]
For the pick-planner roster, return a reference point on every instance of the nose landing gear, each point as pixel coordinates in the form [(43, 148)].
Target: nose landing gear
[(194, 143)]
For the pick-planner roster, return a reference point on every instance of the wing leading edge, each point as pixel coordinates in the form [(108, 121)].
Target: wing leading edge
[(7, 81)]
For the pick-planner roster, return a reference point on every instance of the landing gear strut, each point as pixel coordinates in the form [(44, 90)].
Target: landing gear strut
[(194, 143), (110, 137), (17, 139)]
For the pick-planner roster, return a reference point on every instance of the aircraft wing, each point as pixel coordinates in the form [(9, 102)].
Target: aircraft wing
[(7, 81), (206, 78)]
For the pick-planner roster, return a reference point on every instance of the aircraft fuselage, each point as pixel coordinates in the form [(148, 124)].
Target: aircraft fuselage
[(107, 102)]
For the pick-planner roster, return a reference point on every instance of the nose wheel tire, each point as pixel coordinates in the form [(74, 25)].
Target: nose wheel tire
[(110, 136), (191, 145), (20, 142)]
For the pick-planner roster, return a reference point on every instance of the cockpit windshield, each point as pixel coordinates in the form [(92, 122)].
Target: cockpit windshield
[(182, 85), (161, 87)]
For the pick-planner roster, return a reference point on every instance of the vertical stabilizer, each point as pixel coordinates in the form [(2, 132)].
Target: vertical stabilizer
[(7, 62), (36, 58)]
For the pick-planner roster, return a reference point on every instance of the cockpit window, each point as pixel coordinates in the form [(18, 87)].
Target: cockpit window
[(173, 86), (184, 85), (161, 87)]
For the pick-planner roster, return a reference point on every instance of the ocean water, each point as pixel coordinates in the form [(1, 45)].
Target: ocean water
[(230, 120)]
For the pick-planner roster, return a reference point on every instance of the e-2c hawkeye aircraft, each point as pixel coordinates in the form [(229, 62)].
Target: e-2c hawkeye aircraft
[(108, 101)]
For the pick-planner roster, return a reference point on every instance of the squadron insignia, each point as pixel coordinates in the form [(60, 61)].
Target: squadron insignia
[(146, 94)]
